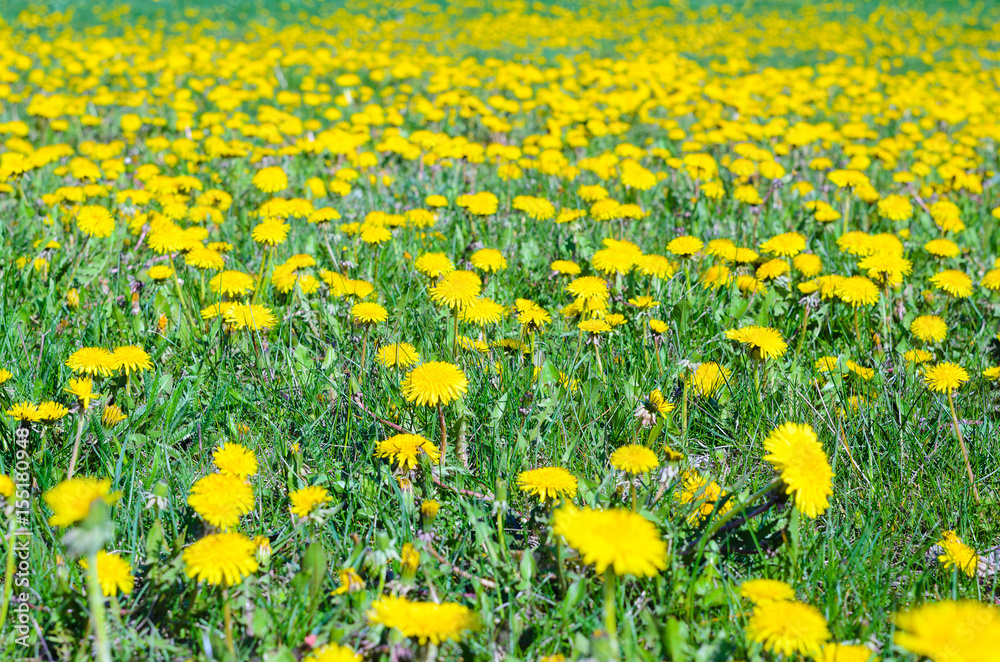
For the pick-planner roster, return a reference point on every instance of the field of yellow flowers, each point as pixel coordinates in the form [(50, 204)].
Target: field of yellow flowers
[(500, 331)]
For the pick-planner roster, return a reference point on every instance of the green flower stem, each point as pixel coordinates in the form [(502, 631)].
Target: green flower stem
[(180, 295), (444, 435), (600, 368), (364, 348), (560, 571), (260, 276), (961, 442), (96, 599), (802, 331), (610, 606), (76, 445), (227, 615), (684, 414)]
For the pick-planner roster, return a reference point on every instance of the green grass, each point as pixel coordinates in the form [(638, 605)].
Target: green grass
[(296, 391)]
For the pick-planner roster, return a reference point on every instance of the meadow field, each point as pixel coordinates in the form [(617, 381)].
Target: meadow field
[(490, 331)]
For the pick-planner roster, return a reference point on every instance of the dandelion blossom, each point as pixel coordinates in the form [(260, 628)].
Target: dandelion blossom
[(250, 316), (424, 621), (270, 180), (457, 289), (954, 282), (406, 449), (333, 653), (114, 574), (951, 631), (483, 311), (367, 312), (221, 558), (796, 453), (945, 377), (95, 221), (788, 244), (787, 627), (706, 494), (956, 554), (131, 358), (929, 328), (235, 459), (231, 283), (308, 499), (221, 499), (401, 354), (847, 653), (93, 361), (634, 459), (620, 539), (708, 378), (685, 246), (763, 341), (766, 590), (488, 259), (434, 265), (70, 500), (548, 483), (433, 383), (857, 291)]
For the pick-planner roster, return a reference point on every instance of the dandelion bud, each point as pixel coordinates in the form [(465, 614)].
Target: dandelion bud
[(263, 553), (350, 581), (73, 299), (161, 324), (112, 416), (429, 509), (410, 557), (409, 561)]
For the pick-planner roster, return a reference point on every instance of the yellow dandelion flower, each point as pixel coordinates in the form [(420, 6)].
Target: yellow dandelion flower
[(434, 264), (70, 500), (131, 358), (457, 289), (955, 283), (951, 631), (764, 342), (945, 377), (333, 653), (787, 627), (369, 313), (548, 483), (221, 499), (956, 554), (307, 499), (620, 539), (433, 383), (488, 259), (401, 354), (929, 328), (113, 573), (250, 316), (405, 450), (795, 453), (423, 621), (235, 459), (93, 361), (221, 558), (758, 591), (634, 459)]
